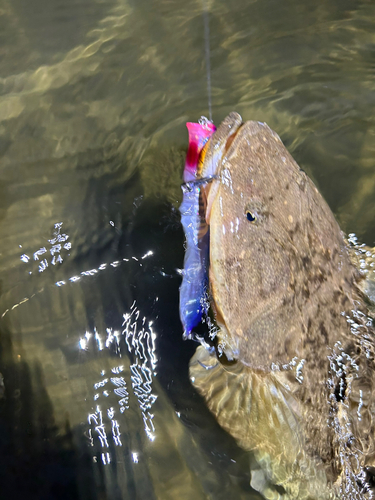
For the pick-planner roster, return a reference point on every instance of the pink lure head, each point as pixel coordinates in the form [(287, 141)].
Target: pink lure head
[(199, 133)]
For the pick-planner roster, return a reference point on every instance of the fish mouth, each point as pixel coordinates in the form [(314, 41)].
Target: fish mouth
[(218, 147), (205, 180), (231, 139)]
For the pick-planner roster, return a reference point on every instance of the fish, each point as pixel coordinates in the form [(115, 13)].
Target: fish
[(193, 303), (293, 373)]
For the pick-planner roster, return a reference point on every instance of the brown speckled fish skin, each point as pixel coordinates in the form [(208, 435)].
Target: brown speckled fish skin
[(272, 278), (286, 298)]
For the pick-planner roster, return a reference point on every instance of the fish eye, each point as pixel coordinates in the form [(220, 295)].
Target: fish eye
[(250, 216)]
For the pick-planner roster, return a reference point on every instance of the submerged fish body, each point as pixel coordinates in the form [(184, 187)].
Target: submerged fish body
[(194, 278), (292, 316)]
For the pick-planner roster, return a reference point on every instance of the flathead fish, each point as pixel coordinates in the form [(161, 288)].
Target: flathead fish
[(293, 321)]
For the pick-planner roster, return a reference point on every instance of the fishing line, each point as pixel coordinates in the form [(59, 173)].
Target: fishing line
[(207, 53)]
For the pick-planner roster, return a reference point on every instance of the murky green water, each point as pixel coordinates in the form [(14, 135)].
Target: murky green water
[(94, 97)]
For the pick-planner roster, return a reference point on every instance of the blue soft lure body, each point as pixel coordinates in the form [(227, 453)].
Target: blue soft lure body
[(193, 290), (194, 277)]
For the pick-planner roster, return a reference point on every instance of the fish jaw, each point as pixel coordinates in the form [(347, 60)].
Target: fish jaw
[(216, 154)]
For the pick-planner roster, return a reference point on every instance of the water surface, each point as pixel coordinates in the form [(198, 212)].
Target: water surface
[(94, 97)]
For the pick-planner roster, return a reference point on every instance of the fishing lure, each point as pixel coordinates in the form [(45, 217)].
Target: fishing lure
[(193, 303)]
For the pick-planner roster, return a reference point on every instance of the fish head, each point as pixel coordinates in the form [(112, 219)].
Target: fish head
[(273, 244)]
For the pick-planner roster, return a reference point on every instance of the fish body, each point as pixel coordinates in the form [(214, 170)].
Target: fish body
[(292, 316), (194, 277)]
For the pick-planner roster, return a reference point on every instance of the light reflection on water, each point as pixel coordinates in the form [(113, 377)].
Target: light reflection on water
[(140, 342), (58, 243)]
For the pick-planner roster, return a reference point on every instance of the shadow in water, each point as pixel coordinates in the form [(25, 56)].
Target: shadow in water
[(37, 459)]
